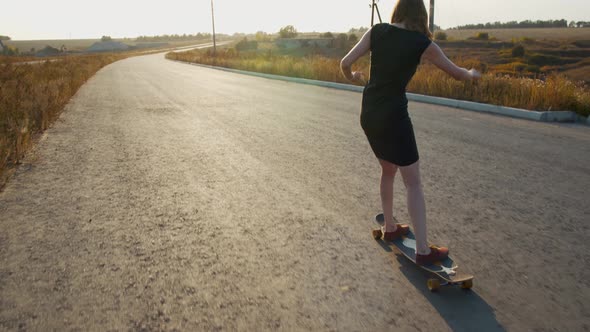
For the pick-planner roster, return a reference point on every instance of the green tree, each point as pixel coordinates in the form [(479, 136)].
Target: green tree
[(106, 39), (288, 31), (262, 36), (4, 37), (327, 35)]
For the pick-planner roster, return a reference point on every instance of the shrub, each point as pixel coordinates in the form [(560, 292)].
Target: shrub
[(533, 69), (518, 51), (546, 60), (9, 51), (245, 44), (482, 36), (440, 35)]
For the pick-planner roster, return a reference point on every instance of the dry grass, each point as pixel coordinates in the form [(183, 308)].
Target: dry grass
[(70, 44), (79, 45), (33, 95), (311, 66), (16, 59), (536, 33), (554, 93)]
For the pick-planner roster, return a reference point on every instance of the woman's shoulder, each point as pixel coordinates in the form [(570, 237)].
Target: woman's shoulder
[(378, 31), (381, 27), (387, 30), (393, 27)]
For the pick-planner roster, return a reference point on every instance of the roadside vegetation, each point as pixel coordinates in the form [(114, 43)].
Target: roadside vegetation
[(33, 95), (24, 48), (34, 90), (525, 73)]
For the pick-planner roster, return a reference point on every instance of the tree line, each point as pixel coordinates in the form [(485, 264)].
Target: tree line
[(175, 37), (525, 24)]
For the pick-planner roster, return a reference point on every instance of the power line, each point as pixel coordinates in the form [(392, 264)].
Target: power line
[(431, 16), (213, 22), (373, 9)]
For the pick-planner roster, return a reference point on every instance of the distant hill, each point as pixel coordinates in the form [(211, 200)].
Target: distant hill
[(48, 51), (108, 46)]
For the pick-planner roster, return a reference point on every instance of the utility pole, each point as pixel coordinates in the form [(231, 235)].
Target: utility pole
[(432, 16), (373, 8), (213, 22)]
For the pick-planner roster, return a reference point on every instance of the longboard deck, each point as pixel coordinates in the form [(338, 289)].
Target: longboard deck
[(445, 269)]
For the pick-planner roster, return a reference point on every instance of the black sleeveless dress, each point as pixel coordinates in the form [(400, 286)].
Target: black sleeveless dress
[(395, 55)]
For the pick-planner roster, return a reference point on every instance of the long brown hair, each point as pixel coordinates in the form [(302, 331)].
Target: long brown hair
[(413, 14)]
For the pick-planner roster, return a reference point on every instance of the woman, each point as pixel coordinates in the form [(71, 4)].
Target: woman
[(396, 50)]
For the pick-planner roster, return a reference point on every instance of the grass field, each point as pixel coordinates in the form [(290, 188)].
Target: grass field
[(565, 34), (70, 44), (79, 44), (542, 51), (553, 92)]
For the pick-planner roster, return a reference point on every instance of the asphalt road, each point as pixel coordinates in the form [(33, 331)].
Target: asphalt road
[(170, 196)]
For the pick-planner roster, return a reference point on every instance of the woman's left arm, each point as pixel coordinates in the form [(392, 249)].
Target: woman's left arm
[(360, 49)]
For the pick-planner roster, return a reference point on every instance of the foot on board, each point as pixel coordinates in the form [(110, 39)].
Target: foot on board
[(401, 229), (436, 254)]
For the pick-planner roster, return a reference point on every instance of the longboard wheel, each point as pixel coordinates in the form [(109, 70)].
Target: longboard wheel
[(377, 234), (467, 284), (433, 284)]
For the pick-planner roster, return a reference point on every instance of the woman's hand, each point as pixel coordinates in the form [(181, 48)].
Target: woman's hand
[(361, 48), (358, 76), (435, 55), (474, 74)]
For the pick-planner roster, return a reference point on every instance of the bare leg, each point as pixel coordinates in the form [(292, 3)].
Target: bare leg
[(416, 205), (388, 171)]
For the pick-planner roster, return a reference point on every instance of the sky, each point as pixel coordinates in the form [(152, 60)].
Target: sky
[(79, 19)]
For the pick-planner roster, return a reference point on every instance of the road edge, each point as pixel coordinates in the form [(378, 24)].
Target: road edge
[(548, 116)]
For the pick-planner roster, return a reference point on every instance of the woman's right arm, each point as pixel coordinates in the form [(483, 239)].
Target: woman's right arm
[(434, 54), (360, 49)]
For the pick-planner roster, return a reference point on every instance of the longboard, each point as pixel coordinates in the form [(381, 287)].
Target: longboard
[(445, 269)]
